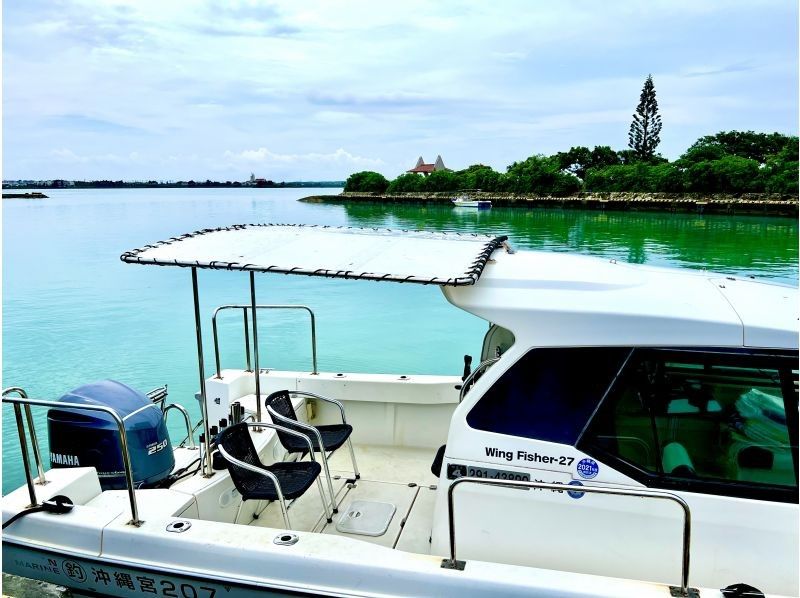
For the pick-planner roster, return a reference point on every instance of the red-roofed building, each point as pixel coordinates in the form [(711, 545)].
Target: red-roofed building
[(426, 169)]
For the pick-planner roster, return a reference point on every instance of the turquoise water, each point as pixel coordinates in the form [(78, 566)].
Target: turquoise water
[(73, 313)]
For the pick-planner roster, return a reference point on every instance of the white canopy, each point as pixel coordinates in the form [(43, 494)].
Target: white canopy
[(447, 259)]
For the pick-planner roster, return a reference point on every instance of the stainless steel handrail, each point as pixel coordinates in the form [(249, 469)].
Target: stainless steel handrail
[(186, 418), (32, 431), (452, 563), (123, 442), (469, 380), (244, 309)]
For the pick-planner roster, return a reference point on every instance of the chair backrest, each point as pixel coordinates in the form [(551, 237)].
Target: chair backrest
[(237, 442), (281, 403)]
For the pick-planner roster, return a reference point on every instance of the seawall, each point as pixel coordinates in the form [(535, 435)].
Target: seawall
[(715, 203)]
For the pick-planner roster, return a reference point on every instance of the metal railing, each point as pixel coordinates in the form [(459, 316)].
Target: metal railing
[(453, 563), (245, 309), (26, 402), (32, 430), (186, 418), (470, 380)]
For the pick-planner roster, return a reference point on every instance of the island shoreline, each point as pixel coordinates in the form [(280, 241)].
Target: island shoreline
[(758, 204)]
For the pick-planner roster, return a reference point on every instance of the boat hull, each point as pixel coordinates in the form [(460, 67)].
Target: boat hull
[(107, 578), (480, 204), (110, 576)]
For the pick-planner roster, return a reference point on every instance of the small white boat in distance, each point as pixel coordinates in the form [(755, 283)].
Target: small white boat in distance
[(462, 201)]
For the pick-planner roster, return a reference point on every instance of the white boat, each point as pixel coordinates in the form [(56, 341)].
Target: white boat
[(462, 201), (627, 431)]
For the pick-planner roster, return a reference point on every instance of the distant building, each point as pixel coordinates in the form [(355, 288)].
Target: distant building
[(426, 169)]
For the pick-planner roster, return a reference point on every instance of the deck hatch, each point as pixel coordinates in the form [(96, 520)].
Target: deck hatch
[(420, 257), (366, 518)]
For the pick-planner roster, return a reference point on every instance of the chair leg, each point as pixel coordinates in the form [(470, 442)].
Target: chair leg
[(238, 511), (334, 507), (353, 458), (257, 513), (284, 510), (324, 501)]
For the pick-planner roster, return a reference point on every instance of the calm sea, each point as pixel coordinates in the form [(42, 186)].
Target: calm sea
[(74, 313)]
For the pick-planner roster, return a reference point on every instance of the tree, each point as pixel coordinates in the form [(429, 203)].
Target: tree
[(479, 176), (628, 157), (643, 137), (540, 175), (730, 174), (442, 180), (408, 182), (368, 181), (780, 173), (745, 144), (701, 152), (578, 160), (603, 155)]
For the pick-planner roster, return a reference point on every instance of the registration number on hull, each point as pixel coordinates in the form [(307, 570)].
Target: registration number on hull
[(455, 471)]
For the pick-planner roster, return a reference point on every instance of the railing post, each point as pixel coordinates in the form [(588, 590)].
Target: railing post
[(23, 444), (35, 442), (246, 340), (255, 346), (32, 431), (216, 341), (313, 342), (208, 471), (126, 460)]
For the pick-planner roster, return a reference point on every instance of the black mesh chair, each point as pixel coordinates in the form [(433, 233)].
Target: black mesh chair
[(280, 481), (324, 438)]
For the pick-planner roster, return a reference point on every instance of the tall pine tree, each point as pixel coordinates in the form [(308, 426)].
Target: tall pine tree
[(643, 136)]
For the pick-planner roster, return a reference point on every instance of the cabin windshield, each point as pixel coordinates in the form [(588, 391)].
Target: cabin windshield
[(549, 394)]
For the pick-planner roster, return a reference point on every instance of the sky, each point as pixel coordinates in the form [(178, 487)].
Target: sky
[(316, 90)]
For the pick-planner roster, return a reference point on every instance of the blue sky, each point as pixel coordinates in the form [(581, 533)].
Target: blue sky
[(320, 89)]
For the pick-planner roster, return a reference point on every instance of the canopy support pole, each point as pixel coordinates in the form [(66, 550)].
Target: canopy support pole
[(208, 471), (255, 347)]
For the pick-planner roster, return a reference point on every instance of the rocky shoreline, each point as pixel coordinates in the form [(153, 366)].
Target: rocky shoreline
[(33, 195), (716, 203)]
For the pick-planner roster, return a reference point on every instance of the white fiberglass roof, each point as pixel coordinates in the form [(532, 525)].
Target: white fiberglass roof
[(562, 299), (446, 259)]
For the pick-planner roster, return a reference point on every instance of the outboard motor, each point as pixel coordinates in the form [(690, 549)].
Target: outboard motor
[(91, 438)]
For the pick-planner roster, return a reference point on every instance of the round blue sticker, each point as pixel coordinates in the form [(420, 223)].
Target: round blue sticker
[(587, 468), (573, 493)]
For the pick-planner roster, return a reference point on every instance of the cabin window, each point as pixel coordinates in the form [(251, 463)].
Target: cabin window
[(549, 394), (694, 419)]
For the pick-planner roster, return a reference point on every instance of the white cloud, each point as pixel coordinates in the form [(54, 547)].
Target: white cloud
[(176, 82), (68, 156), (263, 156)]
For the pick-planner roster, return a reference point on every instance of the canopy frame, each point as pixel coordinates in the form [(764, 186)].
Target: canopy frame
[(469, 277)]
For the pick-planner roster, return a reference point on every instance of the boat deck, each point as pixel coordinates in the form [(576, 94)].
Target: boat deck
[(399, 476)]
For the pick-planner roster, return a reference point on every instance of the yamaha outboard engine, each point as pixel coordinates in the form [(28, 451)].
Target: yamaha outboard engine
[(91, 438)]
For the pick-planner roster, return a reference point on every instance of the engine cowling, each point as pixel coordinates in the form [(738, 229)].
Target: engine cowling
[(91, 438)]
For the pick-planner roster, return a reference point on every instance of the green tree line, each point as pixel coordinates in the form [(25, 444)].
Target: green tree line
[(728, 162)]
